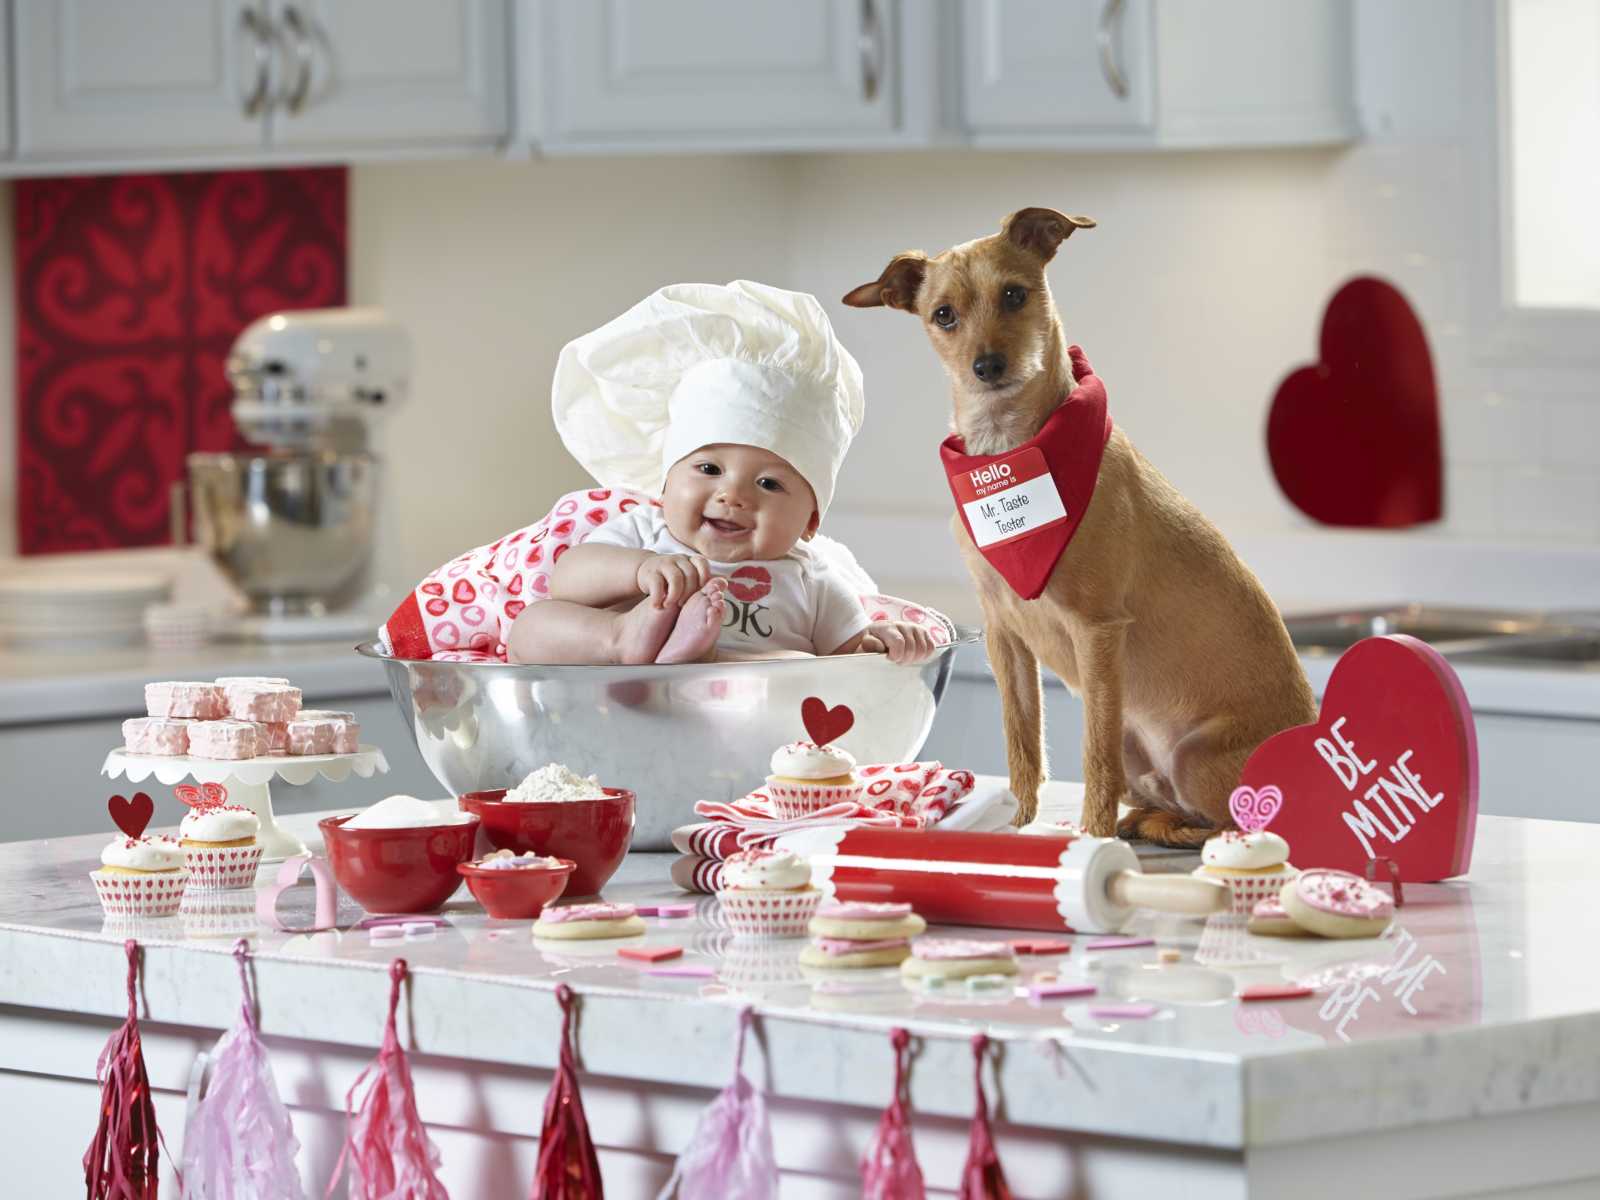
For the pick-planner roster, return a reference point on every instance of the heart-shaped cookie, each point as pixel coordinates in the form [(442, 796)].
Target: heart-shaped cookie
[(1388, 770), (1354, 437), (824, 724), (132, 816)]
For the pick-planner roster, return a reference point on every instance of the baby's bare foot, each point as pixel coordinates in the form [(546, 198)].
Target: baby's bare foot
[(642, 631), (698, 625)]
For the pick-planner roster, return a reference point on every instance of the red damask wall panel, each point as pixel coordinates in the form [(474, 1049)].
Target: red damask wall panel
[(130, 289)]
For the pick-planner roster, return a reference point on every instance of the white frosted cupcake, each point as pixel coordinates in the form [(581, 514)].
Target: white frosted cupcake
[(220, 848), (141, 877), (807, 778), (768, 894), (1254, 865)]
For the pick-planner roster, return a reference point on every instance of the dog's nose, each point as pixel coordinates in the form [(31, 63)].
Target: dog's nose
[(989, 367)]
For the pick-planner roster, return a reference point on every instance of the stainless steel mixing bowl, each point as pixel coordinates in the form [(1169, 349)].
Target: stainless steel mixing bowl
[(674, 734)]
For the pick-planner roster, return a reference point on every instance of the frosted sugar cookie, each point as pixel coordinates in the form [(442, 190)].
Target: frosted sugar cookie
[(957, 958), (865, 922), (583, 922), (1337, 904), (1268, 919)]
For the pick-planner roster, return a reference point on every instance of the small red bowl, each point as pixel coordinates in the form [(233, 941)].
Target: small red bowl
[(594, 834), (516, 893), (398, 870)]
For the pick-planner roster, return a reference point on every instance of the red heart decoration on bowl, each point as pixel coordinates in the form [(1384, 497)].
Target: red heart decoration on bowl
[(824, 724), (1354, 438), (1388, 770), (132, 816)]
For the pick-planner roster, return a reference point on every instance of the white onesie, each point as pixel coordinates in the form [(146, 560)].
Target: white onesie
[(792, 603)]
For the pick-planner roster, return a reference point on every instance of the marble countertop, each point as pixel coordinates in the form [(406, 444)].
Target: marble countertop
[(1484, 998)]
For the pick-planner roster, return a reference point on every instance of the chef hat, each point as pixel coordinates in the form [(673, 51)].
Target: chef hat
[(702, 363)]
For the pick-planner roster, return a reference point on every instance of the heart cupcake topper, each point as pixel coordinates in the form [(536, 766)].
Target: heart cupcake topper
[(207, 795), (824, 724), (1254, 808), (131, 816)]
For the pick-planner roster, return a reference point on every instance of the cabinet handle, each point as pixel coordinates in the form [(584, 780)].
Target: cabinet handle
[(871, 42), (259, 99), (1110, 23), (299, 39)]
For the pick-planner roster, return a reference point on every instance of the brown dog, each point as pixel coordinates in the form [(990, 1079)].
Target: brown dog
[(1181, 659)]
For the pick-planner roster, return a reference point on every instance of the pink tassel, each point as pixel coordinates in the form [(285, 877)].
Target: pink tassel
[(890, 1171), (239, 1144), (982, 1178), (122, 1160), (729, 1155), (567, 1167), (390, 1155)]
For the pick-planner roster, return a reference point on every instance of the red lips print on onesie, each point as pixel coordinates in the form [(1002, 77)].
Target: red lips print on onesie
[(749, 584)]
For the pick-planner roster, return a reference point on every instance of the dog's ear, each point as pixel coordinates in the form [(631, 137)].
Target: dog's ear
[(896, 287), (1041, 230)]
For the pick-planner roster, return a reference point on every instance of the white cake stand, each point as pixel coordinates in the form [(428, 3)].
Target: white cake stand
[(246, 780)]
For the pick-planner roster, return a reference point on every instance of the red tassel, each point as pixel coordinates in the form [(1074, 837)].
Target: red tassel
[(122, 1160), (982, 1178), (568, 1168), (890, 1171)]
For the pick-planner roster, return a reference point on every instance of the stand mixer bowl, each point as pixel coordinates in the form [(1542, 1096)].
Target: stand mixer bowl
[(293, 529), (672, 734)]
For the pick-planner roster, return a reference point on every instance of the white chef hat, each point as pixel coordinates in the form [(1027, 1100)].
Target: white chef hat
[(701, 363)]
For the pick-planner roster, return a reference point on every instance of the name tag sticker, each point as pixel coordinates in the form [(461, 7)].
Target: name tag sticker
[(1009, 498)]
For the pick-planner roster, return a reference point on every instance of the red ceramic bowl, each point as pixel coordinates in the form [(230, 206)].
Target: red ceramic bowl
[(398, 870), (594, 834), (516, 893)]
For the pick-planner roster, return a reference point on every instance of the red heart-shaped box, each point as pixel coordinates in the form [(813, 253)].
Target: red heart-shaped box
[(1388, 770), (1354, 438)]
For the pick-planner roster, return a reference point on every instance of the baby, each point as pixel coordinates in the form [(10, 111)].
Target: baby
[(746, 401)]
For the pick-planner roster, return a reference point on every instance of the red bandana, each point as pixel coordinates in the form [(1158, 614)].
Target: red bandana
[(1022, 507)]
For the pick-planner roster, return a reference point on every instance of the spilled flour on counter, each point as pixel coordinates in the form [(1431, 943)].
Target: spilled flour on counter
[(555, 783)]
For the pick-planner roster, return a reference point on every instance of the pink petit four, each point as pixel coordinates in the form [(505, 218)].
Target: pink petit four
[(347, 734), (156, 735), (311, 736), (201, 701), (274, 703), (223, 739)]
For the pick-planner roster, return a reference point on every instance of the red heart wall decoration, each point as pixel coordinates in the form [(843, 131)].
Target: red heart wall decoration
[(1388, 770), (824, 724), (132, 816), (1354, 438)]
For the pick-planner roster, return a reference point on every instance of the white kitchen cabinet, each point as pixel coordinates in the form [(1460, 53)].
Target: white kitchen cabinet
[(6, 143), (1155, 73), (400, 73), (108, 81), (724, 74)]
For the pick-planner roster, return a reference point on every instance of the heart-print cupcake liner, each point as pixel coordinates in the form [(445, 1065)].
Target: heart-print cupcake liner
[(792, 800), (220, 868), (779, 914), (1248, 889), (153, 894)]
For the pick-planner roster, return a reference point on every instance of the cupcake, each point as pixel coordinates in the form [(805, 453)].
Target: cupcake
[(767, 894), (219, 846), (807, 778), (1254, 865), (141, 876)]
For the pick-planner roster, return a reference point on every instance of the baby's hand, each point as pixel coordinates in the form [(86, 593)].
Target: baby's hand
[(672, 578), (902, 642)]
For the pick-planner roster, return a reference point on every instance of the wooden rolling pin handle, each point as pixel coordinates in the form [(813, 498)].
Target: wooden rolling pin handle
[(1169, 893)]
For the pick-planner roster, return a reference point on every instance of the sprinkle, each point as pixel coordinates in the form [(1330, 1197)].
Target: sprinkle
[(683, 971), (1120, 943), (1038, 992), (1041, 946), (674, 911), (1273, 991), (385, 933), (650, 954), (987, 983), (419, 931), (1122, 1012), (1170, 956), (647, 910)]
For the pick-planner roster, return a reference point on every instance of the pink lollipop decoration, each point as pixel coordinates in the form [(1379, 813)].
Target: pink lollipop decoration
[(1254, 808)]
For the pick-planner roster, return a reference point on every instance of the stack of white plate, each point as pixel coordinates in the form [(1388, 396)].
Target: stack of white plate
[(58, 608)]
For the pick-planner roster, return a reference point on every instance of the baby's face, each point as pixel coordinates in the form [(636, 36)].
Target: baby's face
[(734, 503)]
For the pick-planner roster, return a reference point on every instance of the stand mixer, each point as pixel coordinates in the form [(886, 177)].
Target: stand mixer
[(292, 525)]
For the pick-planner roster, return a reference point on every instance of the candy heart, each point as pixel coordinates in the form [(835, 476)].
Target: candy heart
[(1354, 438), (824, 724), (1388, 770), (1252, 809), (289, 875), (131, 816)]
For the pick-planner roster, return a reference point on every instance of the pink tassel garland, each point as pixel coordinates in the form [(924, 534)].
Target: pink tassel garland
[(981, 1177), (567, 1167), (239, 1144), (889, 1171), (729, 1155), (390, 1155), (122, 1160)]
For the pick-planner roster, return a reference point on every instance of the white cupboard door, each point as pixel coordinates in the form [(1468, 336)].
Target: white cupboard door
[(1070, 65), (719, 70), (114, 81), (402, 73)]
